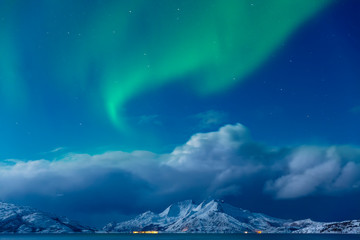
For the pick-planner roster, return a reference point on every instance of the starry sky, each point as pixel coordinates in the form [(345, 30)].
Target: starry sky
[(148, 102)]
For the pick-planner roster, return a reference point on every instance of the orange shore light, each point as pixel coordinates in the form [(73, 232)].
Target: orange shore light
[(145, 232)]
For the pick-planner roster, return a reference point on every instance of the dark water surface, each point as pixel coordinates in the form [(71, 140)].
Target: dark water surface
[(184, 237)]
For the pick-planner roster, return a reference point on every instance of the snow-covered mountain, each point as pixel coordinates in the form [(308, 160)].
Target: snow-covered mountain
[(309, 226), (210, 216), (19, 219), (215, 216)]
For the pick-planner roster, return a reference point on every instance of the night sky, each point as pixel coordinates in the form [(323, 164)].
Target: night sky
[(110, 108)]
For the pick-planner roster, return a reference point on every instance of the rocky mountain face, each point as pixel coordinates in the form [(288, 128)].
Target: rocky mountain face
[(215, 216), (309, 226), (19, 219), (211, 216)]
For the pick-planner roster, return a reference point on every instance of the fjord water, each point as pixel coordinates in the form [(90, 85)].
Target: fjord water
[(183, 237)]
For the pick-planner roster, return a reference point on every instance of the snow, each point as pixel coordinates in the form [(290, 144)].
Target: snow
[(19, 219), (352, 227), (214, 216), (210, 216)]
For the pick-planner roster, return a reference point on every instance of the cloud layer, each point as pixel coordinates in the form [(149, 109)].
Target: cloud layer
[(222, 163)]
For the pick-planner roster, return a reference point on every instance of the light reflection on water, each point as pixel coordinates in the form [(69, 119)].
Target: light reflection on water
[(183, 237)]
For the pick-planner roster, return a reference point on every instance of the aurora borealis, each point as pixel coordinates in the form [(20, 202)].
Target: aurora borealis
[(258, 94), (136, 46)]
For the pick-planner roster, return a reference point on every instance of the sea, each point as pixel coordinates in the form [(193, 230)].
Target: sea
[(183, 237)]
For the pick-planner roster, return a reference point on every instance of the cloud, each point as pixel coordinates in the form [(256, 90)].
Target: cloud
[(355, 109), (54, 151), (209, 151), (149, 119), (210, 118), (226, 162), (318, 170), (57, 149)]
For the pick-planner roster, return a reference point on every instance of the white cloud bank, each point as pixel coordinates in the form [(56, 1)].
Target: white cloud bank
[(217, 163)]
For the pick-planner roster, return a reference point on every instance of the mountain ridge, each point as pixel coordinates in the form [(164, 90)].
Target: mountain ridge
[(216, 216), (210, 216), (23, 219)]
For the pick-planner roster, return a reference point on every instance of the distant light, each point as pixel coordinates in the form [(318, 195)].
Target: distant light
[(145, 232)]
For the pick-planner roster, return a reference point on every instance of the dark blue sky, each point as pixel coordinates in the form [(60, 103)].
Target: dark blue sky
[(59, 88)]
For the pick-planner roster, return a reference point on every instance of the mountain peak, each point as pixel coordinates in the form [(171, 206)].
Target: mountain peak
[(21, 219), (216, 216), (178, 209)]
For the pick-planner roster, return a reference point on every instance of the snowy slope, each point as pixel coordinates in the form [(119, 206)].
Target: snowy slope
[(152, 221), (215, 216), (209, 216), (19, 219), (218, 217), (352, 227)]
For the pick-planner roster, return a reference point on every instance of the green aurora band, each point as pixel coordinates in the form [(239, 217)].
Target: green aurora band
[(11, 85), (135, 46)]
